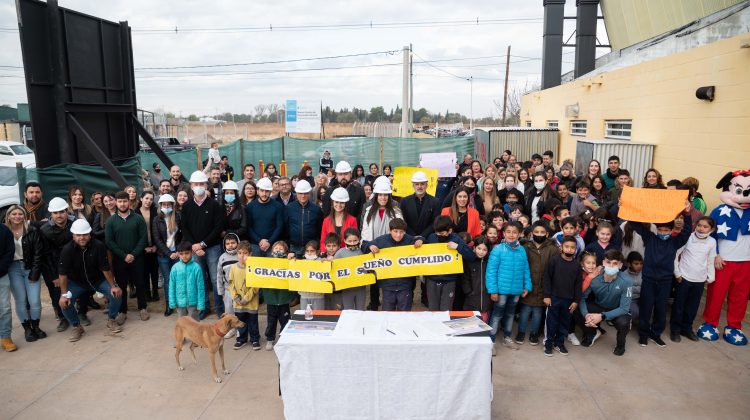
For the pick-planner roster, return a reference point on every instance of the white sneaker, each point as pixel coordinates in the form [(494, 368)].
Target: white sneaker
[(269, 345), (573, 339), (508, 342), (230, 334)]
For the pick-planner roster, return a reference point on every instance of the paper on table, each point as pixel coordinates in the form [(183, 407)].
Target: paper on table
[(309, 328), (409, 326)]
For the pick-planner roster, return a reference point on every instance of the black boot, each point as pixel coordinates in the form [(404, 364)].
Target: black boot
[(28, 333), (35, 326)]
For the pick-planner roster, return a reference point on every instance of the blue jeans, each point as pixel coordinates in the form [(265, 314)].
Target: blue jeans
[(687, 299), (558, 319), (209, 263), (503, 312), (113, 306), (6, 318), (536, 318), (165, 266), (25, 292)]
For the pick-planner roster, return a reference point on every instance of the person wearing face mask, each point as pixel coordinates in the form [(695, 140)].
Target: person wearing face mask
[(235, 219), (223, 269), (561, 286), (441, 289), (539, 250), (658, 270), (607, 298), (165, 231), (537, 197), (353, 298), (202, 224), (507, 185)]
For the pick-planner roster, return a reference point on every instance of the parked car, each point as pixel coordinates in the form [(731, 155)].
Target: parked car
[(167, 144), (17, 152), (9, 194)]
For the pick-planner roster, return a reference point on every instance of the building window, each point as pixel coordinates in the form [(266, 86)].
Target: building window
[(552, 124), (578, 128), (528, 123), (618, 129)]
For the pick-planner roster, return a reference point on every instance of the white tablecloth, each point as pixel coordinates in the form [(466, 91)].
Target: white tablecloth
[(330, 378)]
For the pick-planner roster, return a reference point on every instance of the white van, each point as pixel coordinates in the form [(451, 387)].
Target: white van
[(17, 152), (9, 177)]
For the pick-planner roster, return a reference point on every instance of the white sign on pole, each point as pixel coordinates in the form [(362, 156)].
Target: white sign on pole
[(445, 163), (302, 116)]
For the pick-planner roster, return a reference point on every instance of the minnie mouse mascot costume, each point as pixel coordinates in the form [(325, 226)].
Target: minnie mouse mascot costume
[(732, 260)]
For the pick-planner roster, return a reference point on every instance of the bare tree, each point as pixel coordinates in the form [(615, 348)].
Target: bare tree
[(513, 112), (272, 108), (260, 110)]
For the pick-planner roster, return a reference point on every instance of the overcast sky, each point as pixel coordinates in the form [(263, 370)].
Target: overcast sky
[(436, 89)]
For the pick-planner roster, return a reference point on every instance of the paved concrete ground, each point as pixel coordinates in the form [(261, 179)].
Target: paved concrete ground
[(133, 375)]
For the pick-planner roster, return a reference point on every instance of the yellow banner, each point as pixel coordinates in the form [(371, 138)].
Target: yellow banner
[(316, 276), (345, 273), (402, 180), (349, 272)]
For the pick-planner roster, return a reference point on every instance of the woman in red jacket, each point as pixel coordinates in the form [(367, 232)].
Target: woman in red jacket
[(465, 218), (339, 220)]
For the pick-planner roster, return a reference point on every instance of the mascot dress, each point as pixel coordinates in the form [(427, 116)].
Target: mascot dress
[(733, 247)]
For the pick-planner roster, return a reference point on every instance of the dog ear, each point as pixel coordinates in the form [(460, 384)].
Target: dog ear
[(724, 182), (224, 314)]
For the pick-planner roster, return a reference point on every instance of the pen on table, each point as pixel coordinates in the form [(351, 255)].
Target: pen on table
[(415, 333), (363, 330), (390, 331)]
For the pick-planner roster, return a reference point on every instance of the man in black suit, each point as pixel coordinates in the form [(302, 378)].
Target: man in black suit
[(419, 211)]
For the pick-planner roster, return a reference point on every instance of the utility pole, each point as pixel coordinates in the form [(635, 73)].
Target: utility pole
[(471, 103), (505, 93), (411, 89), (405, 95)]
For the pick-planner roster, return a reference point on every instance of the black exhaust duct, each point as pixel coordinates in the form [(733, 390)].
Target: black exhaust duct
[(552, 42), (586, 19)]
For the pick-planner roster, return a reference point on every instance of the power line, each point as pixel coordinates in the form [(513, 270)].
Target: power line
[(160, 75), (438, 68), (296, 60)]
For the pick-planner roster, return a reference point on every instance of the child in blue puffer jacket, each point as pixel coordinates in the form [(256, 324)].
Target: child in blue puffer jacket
[(508, 278)]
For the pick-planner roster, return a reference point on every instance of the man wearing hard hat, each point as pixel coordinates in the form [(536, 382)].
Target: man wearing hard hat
[(356, 192), (419, 211), (84, 268), (55, 234), (265, 220)]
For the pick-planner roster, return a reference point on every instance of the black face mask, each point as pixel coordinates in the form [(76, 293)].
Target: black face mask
[(157, 170), (352, 247), (539, 238), (442, 238), (569, 254)]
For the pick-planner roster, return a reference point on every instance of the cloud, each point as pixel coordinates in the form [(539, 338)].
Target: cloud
[(434, 89)]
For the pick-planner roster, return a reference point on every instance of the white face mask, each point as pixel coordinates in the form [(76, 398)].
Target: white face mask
[(701, 235), (199, 191), (311, 257), (509, 185), (539, 185)]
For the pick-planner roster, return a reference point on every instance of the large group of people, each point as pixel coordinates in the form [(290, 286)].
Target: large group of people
[(542, 246)]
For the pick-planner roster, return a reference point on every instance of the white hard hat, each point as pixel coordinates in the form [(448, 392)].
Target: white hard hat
[(419, 176), (382, 179), (302, 187), (382, 186), (57, 204), (340, 194), (230, 185), (166, 198), (343, 167), (265, 184), (198, 176), (80, 227)]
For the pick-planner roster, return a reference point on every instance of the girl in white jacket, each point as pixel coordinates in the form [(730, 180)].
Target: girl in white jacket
[(693, 266)]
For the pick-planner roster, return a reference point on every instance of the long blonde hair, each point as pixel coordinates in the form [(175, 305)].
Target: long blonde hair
[(25, 217), (488, 200)]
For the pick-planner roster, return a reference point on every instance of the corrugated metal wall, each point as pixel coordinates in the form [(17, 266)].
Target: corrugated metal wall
[(637, 158), (523, 143)]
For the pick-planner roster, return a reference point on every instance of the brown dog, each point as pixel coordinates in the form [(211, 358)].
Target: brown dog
[(205, 335)]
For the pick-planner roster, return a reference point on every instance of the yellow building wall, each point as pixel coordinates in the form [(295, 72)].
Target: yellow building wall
[(631, 21), (693, 137)]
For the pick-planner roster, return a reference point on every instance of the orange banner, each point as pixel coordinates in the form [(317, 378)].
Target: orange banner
[(649, 205)]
